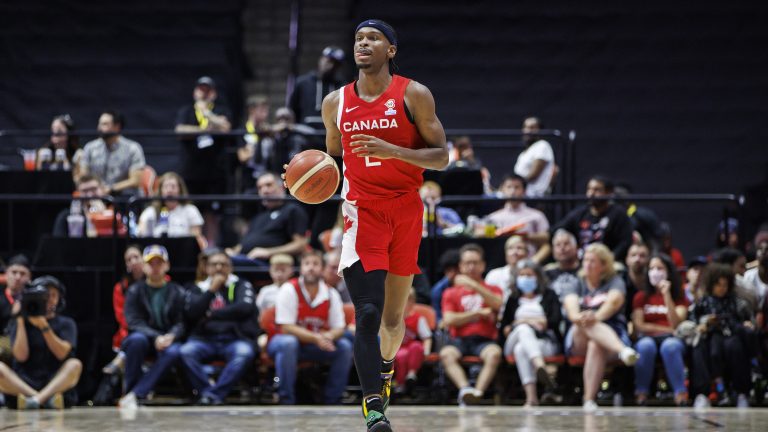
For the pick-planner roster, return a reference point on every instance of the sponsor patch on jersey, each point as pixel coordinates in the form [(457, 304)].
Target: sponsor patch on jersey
[(390, 104)]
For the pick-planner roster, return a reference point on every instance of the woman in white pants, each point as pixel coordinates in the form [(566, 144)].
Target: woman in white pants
[(530, 327)]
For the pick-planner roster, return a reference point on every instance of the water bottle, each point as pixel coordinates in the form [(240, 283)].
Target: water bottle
[(472, 223), (90, 227), (75, 219), (60, 160), (161, 230)]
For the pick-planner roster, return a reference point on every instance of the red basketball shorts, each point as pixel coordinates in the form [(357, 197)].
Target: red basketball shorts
[(385, 239)]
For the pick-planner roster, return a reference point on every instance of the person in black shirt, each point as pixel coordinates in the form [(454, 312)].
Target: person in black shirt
[(17, 275), (599, 221), (154, 311), (307, 98), (222, 313), (43, 348), (280, 228)]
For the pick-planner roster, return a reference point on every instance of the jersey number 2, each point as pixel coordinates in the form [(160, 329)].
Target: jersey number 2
[(368, 162)]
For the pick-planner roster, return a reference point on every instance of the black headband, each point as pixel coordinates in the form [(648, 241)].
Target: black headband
[(381, 26)]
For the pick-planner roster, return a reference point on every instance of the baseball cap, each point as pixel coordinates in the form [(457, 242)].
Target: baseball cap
[(207, 81), (334, 53), (281, 259), (697, 261), (153, 251)]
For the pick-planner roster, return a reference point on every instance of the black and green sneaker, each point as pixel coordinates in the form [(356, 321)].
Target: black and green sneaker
[(386, 387), (375, 419)]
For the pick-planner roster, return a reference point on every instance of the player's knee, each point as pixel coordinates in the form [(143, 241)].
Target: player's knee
[(392, 323), (367, 319)]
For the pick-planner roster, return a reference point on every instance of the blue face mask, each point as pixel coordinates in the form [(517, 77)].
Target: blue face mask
[(526, 284)]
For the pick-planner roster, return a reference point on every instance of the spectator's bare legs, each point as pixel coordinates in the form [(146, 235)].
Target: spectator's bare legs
[(596, 342), (594, 367), (11, 384), (450, 356), (396, 289), (491, 356), (66, 378), (604, 336), (531, 397)]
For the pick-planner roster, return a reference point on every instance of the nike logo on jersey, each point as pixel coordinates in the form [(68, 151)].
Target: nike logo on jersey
[(346, 110)]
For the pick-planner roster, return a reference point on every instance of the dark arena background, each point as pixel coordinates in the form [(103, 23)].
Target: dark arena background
[(663, 101)]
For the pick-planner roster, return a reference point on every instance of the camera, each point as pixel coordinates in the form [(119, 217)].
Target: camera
[(34, 300)]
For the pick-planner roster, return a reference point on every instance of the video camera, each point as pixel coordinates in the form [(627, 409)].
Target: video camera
[(34, 300)]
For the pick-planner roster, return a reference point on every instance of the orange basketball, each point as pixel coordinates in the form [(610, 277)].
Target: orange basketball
[(312, 176)]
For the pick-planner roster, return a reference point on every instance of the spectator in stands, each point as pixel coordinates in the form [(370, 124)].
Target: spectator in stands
[(562, 272), (644, 221), (331, 274), (668, 248), (470, 310), (205, 163), (756, 279), (154, 311), (307, 98), (657, 310), (728, 233), (726, 340), (43, 344), (449, 264), (311, 318), (280, 270), (172, 217), (17, 275), (447, 221), (222, 316), (117, 160), (595, 308), (536, 164), (134, 272), (280, 228), (530, 328), (738, 263), (515, 250), (636, 276), (462, 156), (692, 278), (290, 138), (517, 218), (97, 215), (417, 343), (600, 221), (62, 152), (256, 146)]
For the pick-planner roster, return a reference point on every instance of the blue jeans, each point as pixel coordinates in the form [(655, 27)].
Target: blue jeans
[(671, 350), (136, 347), (287, 352), (237, 353)]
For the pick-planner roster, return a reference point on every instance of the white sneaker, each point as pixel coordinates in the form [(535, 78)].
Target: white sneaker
[(589, 406), (629, 356), (701, 402), (742, 401), (128, 402), (469, 396)]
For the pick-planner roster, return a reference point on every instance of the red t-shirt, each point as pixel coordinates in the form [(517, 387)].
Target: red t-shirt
[(371, 179), (461, 299), (654, 309)]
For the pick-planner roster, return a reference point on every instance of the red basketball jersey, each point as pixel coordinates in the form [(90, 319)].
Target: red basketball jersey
[(371, 179), (311, 318), (411, 328)]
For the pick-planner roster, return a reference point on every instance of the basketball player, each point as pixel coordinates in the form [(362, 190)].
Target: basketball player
[(386, 129)]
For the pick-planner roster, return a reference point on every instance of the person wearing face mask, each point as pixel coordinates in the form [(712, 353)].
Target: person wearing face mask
[(530, 328), (656, 311)]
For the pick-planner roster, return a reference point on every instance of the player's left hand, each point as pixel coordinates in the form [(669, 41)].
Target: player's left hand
[(370, 146), (38, 321)]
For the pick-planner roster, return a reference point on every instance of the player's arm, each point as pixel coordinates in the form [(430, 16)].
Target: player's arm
[(330, 110), (420, 102)]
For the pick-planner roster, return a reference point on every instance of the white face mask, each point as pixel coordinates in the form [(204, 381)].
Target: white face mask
[(656, 276)]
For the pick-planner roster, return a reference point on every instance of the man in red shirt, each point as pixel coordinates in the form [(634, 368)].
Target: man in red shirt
[(470, 309), (385, 128)]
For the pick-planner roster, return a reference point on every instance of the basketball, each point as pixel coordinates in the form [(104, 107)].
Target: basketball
[(312, 176)]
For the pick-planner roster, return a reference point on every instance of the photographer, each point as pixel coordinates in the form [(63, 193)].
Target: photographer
[(43, 343), (17, 275)]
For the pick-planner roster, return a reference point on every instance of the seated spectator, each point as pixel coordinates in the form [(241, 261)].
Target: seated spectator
[(657, 310), (221, 313), (515, 250), (280, 270), (636, 276), (447, 220), (470, 309), (310, 89), (449, 264), (417, 343), (255, 148), (172, 217), (726, 340), (17, 275), (97, 216), (692, 277), (154, 311), (668, 248), (595, 308), (62, 152), (331, 275), (536, 164), (519, 219), (462, 156), (115, 159), (280, 228), (530, 328), (756, 279), (43, 344), (738, 263), (290, 138), (646, 226), (311, 320), (562, 272), (599, 221), (134, 272), (728, 233)]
